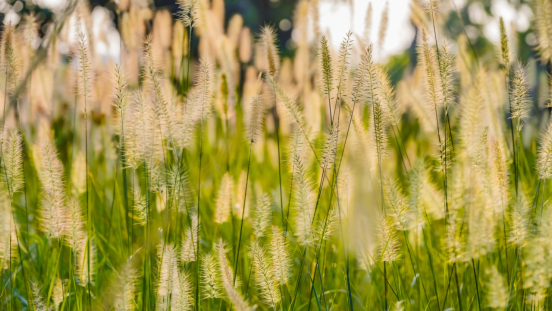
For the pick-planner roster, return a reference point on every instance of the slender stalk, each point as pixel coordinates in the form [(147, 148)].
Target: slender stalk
[(284, 224), (415, 267), (514, 143), (89, 222), (345, 248), (513, 276), (437, 116), (148, 259), (476, 284), (277, 122), (431, 266), (2, 152), (335, 174), (125, 184), (197, 303), (190, 28), (289, 200), (381, 190), (243, 215), (318, 199), (457, 287)]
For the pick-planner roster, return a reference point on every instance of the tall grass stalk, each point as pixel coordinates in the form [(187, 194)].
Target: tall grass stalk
[(272, 59), (204, 85), (84, 83), (253, 127), (243, 215), (432, 6)]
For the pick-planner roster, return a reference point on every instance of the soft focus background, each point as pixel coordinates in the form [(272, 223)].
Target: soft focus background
[(337, 17), (476, 20)]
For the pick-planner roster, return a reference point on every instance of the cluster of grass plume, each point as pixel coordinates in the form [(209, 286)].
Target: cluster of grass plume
[(205, 169)]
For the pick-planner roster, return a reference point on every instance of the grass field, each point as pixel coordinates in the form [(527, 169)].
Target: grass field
[(214, 174)]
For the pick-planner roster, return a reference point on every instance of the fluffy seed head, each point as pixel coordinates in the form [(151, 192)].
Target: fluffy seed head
[(83, 264), (78, 173), (328, 228), (304, 200), (140, 208), (12, 162), (74, 225), (227, 278), (8, 235), (536, 273), (367, 24), (164, 110), (85, 72), (262, 216), (168, 284), (430, 67), (543, 23), (470, 121), (9, 59), (204, 85), (268, 43), (38, 299), (424, 195), (330, 149), (387, 97), (504, 56), (384, 23), (210, 279), (397, 202), (291, 107), (188, 12), (280, 255), (372, 83), (520, 97), (500, 177), (224, 200), (120, 101), (359, 86), (58, 294), (189, 243), (455, 244), (180, 198), (53, 192), (444, 160), (325, 70), (255, 120), (139, 140), (182, 296), (388, 240), (343, 62), (498, 292), (264, 275), (30, 29), (446, 68), (126, 285), (544, 158), (379, 124), (519, 229)]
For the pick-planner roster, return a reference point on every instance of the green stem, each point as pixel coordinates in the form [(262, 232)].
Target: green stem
[(476, 284), (197, 302), (243, 215), (87, 197)]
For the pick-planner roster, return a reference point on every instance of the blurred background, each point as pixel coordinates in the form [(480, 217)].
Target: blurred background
[(337, 17)]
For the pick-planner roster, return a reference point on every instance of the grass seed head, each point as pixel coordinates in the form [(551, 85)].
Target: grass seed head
[(268, 42)]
